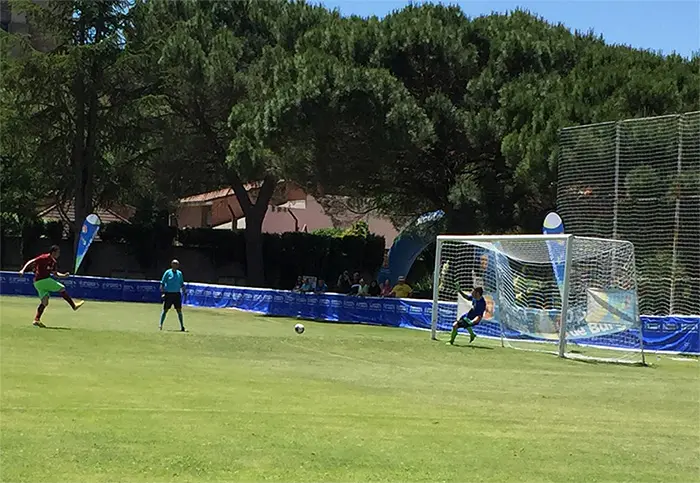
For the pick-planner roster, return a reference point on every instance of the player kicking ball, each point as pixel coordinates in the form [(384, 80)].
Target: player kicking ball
[(473, 317), (45, 266), (171, 286)]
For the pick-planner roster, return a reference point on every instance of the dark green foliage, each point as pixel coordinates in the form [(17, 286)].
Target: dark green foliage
[(144, 241), (287, 255), (54, 231), (425, 109), (323, 256)]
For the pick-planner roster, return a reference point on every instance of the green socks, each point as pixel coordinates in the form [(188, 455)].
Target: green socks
[(162, 317), (453, 336)]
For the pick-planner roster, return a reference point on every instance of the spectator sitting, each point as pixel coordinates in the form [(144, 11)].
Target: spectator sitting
[(321, 286), (401, 289), (300, 282), (364, 288), (307, 286), (355, 288), (386, 289), (344, 284), (374, 290)]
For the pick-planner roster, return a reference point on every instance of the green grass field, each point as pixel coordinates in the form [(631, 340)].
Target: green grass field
[(106, 397)]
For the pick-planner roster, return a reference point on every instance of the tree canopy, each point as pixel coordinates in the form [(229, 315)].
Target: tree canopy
[(424, 109)]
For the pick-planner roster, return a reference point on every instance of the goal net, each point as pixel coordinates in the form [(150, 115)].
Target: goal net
[(575, 296)]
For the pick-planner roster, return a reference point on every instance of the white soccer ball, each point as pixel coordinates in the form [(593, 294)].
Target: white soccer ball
[(299, 329)]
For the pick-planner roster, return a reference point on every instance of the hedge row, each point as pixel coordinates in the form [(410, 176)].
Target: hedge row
[(286, 255)]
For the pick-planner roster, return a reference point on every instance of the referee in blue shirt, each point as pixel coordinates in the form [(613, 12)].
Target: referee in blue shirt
[(172, 285)]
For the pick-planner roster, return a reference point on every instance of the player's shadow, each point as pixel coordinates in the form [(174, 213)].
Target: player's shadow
[(57, 328), (474, 347)]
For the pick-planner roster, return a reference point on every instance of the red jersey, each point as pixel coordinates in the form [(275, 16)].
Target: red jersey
[(44, 266)]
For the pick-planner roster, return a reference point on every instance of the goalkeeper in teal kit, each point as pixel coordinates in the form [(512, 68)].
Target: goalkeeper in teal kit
[(473, 317)]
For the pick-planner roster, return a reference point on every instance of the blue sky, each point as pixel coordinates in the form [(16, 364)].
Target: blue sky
[(664, 26)]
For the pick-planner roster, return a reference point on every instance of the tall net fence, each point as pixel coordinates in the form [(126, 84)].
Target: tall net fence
[(639, 180)]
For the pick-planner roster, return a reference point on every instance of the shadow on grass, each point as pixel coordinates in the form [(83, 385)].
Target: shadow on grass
[(609, 362), (474, 347), (57, 328)]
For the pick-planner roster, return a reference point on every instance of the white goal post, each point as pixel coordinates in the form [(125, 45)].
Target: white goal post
[(576, 296)]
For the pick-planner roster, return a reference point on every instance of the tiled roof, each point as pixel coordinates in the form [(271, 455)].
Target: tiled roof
[(210, 196), (107, 215), (221, 193)]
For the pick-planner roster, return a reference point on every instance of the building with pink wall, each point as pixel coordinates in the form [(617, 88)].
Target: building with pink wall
[(291, 210)]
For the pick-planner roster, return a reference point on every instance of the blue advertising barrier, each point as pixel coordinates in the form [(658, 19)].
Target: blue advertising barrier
[(670, 334)]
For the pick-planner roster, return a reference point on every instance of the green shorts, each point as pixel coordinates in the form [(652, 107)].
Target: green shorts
[(47, 285)]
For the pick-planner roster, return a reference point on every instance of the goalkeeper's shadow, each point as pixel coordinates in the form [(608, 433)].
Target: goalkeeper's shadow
[(472, 347)]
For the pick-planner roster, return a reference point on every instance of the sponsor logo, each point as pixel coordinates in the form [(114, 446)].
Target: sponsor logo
[(325, 303), (389, 307), (313, 301), (375, 306), (112, 286), (349, 305), (145, 288), (86, 284), (69, 283), (670, 327), (128, 288), (279, 298), (267, 298), (415, 310), (336, 303), (362, 305), (401, 309), (218, 294)]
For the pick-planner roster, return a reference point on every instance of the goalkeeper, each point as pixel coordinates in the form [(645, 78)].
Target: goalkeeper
[(473, 317)]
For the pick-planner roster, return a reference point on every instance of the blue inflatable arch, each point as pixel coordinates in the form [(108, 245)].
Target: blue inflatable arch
[(412, 240)]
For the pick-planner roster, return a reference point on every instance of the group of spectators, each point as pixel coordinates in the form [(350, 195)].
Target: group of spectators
[(357, 286)]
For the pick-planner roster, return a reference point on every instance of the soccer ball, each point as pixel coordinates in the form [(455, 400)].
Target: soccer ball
[(299, 329)]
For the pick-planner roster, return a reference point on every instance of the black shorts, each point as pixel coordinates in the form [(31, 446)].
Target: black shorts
[(172, 299), (465, 322)]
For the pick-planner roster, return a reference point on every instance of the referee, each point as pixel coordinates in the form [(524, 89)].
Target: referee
[(172, 286)]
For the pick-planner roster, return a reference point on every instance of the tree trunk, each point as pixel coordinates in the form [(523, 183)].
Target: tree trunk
[(254, 216), (85, 145), (255, 262)]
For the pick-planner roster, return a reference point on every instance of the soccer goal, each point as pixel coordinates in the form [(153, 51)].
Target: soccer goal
[(572, 296)]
